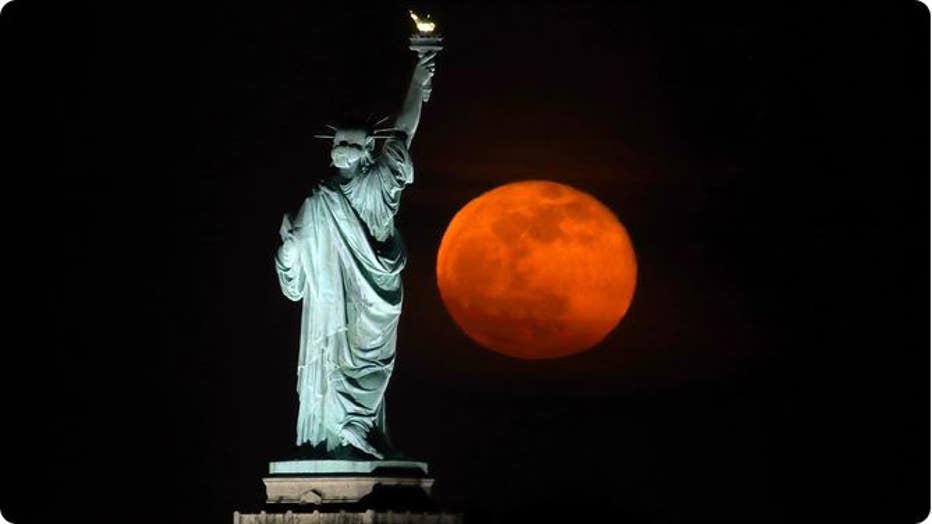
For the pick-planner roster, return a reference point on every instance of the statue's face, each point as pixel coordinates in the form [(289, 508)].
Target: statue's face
[(349, 147)]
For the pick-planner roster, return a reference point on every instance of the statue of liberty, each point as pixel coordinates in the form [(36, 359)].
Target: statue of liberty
[(342, 257)]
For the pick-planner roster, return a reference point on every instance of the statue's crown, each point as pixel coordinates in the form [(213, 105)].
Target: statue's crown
[(370, 129)]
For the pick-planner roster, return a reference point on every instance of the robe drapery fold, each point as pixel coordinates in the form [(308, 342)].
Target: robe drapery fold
[(348, 276)]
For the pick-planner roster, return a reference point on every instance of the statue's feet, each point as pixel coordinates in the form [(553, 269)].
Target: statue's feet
[(352, 437)]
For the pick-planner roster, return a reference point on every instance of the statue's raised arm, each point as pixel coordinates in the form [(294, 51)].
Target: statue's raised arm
[(418, 93), (426, 42)]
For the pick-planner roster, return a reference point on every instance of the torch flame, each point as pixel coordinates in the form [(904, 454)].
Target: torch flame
[(424, 25)]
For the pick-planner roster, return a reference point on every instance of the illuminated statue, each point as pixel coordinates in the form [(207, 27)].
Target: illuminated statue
[(342, 257)]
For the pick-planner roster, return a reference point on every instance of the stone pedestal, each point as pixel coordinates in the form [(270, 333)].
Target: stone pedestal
[(341, 481), (347, 492), (347, 517), (347, 467), (334, 490)]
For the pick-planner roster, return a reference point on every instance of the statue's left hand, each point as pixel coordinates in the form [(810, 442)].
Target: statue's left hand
[(285, 230), (288, 253)]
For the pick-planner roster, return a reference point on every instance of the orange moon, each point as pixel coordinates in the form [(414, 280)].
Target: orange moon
[(536, 270)]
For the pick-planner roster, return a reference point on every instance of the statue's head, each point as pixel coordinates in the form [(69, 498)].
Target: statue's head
[(353, 144), (352, 147)]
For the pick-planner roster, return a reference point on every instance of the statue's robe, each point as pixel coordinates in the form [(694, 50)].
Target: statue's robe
[(347, 273)]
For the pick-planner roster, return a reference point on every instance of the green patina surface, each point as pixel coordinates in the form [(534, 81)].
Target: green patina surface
[(342, 466)]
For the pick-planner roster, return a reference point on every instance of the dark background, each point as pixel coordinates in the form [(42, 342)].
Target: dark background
[(770, 164)]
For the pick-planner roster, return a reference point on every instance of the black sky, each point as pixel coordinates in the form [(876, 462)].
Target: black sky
[(770, 164)]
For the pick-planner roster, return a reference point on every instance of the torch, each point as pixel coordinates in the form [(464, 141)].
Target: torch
[(425, 39)]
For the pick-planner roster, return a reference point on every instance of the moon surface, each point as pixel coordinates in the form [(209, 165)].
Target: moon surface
[(536, 269)]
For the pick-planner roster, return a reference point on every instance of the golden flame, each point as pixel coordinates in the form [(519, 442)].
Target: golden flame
[(424, 25)]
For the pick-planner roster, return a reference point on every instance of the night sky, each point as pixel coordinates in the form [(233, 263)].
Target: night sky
[(770, 164)]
